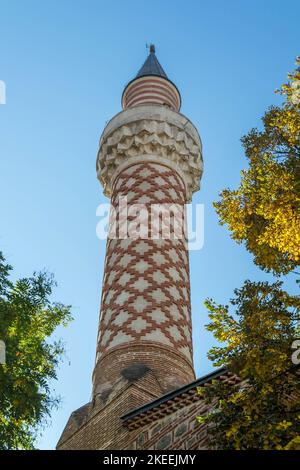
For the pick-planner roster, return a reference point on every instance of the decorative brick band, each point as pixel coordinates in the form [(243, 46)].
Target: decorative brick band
[(139, 347), (151, 89), (152, 367)]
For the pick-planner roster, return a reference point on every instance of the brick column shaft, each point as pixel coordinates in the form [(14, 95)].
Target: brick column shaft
[(151, 156)]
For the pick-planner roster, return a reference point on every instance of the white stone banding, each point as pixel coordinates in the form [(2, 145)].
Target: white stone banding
[(149, 90)]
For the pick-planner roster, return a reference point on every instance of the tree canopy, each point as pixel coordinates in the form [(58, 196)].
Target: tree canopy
[(258, 330), (28, 317), (256, 346), (263, 212)]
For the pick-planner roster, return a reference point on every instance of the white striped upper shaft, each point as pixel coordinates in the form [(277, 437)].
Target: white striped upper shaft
[(151, 89)]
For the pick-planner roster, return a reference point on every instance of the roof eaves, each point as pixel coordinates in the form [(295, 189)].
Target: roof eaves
[(174, 393)]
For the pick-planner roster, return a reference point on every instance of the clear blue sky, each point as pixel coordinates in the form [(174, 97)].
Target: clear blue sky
[(65, 64)]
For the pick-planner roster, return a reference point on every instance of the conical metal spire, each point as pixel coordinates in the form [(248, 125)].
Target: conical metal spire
[(151, 86), (151, 66)]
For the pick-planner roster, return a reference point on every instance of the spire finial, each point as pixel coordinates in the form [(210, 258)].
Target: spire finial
[(152, 49)]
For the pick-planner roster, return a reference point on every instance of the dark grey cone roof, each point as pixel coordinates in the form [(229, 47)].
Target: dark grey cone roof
[(151, 66)]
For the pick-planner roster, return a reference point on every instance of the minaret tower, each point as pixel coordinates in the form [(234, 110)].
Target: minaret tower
[(150, 164), (150, 155)]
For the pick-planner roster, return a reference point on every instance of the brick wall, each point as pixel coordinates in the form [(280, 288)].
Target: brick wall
[(178, 430), (106, 430)]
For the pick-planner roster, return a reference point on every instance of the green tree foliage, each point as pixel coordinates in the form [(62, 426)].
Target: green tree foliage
[(263, 212), (263, 411), (27, 320), (256, 346)]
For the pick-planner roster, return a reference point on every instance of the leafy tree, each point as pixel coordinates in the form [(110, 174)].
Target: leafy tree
[(263, 410), (263, 212), (27, 320), (258, 413)]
